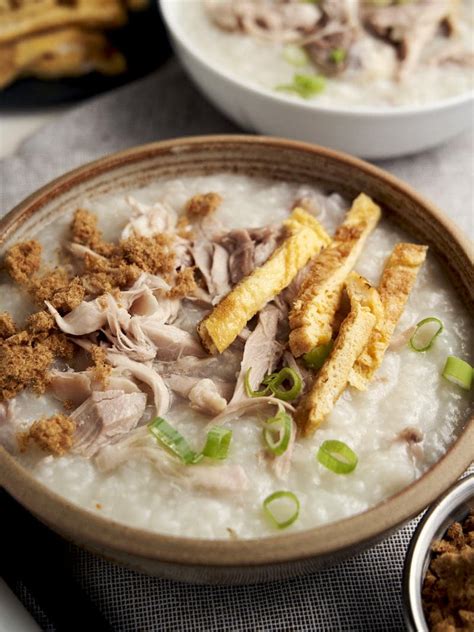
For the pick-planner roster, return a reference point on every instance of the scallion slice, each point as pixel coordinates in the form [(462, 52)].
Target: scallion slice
[(275, 380), (337, 456), (282, 514), (426, 332), (295, 55), (458, 371), (249, 390), (315, 358), (173, 441), (338, 55), (277, 433), (305, 86), (217, 443)]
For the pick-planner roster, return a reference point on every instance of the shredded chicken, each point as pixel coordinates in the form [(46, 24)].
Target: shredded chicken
[(261, 352), (330, 30), (104, 416), (139, 444)]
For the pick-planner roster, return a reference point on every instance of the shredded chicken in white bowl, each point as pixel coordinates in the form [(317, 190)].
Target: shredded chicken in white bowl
[(375, 78)]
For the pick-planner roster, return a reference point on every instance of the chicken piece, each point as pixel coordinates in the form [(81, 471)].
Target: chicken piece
[(409, 27), (261, 352), (171, 342), (89, 316), (206, 395), (76, 386), (332, 379), (312, 316), (397, 281), (277, 21), (305, 238), (147, 221), (104, 416), (140, 445), (147, 375)]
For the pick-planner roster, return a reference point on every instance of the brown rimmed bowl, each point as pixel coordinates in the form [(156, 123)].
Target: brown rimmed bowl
[(285, 555)]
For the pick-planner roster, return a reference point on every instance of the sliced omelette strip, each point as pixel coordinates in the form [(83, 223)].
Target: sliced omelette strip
[(313, 311), (355, 331), (398, 279), (304, 238)]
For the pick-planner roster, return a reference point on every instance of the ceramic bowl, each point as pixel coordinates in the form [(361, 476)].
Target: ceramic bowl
[(286, 554), (375, 132), (454, 506)]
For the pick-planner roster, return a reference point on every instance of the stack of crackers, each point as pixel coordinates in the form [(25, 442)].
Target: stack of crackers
[(58, 38)]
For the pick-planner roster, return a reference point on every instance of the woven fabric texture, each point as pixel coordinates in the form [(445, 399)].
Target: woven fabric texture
[(361, 594)]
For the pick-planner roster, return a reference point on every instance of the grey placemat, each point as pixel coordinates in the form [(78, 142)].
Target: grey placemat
[(363, 593)]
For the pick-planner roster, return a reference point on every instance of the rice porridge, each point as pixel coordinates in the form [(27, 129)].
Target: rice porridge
[(124, 351), (340, 53)]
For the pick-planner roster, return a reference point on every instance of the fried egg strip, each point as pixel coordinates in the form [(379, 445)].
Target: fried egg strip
[(354, 334), (304, 238), (313, 311), (398, 279)]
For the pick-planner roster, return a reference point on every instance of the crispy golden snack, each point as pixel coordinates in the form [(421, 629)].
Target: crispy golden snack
[(26, 17), (305, 238), (66, 52), (313, 311), (397, 281), (353, 335)]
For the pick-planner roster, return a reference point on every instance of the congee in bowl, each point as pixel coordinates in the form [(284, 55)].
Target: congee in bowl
[(338, 53), (258, 353)]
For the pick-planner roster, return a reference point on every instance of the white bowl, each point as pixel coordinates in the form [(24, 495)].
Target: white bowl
[(367, 132)]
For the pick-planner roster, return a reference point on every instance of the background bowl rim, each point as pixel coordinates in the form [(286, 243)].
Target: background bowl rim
[(366, 112), (84, 525)]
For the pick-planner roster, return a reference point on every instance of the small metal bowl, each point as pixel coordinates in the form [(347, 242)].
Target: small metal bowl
[(453, 506)]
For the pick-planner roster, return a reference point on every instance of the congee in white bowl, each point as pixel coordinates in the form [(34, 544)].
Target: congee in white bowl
[(270, 353), (338, 72)]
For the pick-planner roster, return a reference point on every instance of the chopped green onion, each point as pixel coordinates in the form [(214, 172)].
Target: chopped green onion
[(295, 55), (425, 335), (305, 86), (217, 443), (337, 457), (282, 515), (280, 425), (338, 55), (458, 371), (315, 358), (173, 441), (273, 381), (248, 389)]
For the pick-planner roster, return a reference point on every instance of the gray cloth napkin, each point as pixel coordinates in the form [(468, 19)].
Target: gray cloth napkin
[(363, 593)]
